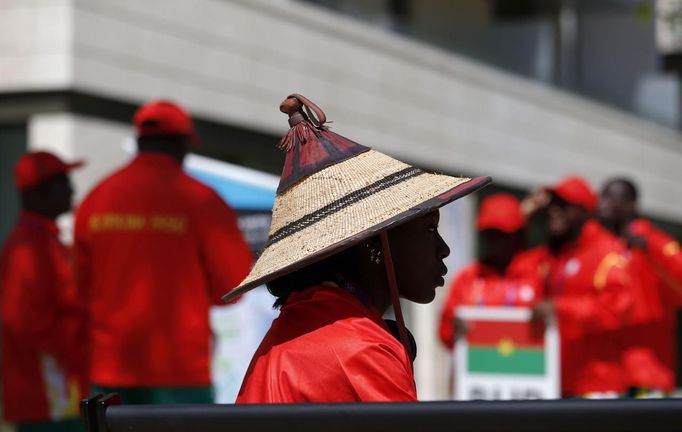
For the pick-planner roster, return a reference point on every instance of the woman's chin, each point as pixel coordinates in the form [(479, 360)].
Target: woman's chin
[(426, 298)]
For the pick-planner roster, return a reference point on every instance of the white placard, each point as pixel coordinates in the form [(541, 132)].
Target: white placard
[(501, 386)]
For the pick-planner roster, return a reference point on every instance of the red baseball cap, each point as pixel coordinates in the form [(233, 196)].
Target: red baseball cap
[(164, 118), (576, 190), (500, 212), (35, 167)]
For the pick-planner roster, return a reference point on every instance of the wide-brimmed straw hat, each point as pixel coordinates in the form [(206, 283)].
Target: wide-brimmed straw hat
[(335, 193)]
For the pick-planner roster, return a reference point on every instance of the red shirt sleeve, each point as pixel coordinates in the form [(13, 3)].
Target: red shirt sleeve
[(607, 306), (663, 252), (226, 256)]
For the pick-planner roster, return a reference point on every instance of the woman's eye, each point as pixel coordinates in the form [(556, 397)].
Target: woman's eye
[(432, 229)]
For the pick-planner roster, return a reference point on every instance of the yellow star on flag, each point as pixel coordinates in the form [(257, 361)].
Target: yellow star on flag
[(505, 347)]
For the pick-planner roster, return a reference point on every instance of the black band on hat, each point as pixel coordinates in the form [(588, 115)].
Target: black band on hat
[(343, 202)]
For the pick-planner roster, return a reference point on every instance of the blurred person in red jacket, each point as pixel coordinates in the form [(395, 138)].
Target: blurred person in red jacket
[(656, 264), (155, 249), (587, 288), (42, 359), (506, 275)]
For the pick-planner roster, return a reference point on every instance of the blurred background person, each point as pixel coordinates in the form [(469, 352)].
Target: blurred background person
[(587, 288), (42, 359), (655, 261), (505, 274), (155, 249)]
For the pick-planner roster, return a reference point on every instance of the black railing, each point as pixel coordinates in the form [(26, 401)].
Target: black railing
[(105, 414)]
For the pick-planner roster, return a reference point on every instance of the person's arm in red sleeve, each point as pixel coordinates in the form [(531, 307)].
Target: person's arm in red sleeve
[(226, 256), (31, 307), (663, 252), (607, 306)]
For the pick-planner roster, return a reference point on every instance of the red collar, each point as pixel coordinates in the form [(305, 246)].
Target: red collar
[(335, 290), (34, 220)]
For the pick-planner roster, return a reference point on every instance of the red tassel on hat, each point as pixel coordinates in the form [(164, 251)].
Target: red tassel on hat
[(302, 127), (309, 144)]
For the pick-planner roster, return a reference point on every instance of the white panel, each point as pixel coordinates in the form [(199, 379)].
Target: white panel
[(51, 132), (35, 44)]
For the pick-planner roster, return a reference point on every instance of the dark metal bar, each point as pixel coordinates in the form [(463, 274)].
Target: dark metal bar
[(102, 411), (557, 415)]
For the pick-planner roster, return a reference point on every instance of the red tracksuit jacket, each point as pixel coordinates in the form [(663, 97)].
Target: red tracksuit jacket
[(327, 346), (155, 249), (590, 285), (42, 355), (649, 358)]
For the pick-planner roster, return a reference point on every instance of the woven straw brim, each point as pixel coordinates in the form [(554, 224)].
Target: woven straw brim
[(344, 204)]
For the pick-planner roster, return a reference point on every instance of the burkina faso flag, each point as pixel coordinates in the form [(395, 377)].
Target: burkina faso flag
[(505, 347)]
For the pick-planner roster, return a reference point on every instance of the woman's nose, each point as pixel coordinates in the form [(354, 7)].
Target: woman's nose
[(444, 249)]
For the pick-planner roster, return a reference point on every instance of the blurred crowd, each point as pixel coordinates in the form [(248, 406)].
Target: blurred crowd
[(610, 278), (114, 315)]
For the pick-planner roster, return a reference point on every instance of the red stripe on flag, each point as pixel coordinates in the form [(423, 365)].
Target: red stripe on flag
[(521, 334)]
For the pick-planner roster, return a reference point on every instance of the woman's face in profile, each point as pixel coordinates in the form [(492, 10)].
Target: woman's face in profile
[(418, 251)]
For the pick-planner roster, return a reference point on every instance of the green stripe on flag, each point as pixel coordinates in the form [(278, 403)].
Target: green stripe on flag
[(490, 360)]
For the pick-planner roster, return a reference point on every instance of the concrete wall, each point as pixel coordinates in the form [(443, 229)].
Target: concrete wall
[(233, 61), (36, 44)]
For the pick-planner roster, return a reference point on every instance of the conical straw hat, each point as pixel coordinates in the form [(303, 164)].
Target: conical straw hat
[(334, 193)]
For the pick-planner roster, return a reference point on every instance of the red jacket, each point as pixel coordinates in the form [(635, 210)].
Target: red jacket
[(663, 252), (41, 324), (155, 249), (591, 289), (327, 346), (480, 285), (649, 358)]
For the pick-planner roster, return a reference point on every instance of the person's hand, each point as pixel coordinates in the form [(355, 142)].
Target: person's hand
[(534, 202), (542, 311), (460, 326)]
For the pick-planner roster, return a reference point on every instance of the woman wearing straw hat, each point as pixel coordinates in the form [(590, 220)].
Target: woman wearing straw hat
[(352, 231)]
